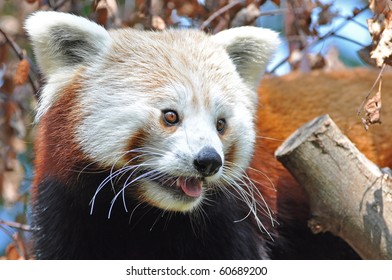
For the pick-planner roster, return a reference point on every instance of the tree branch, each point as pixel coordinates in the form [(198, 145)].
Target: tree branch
[(16, 225), (18, 51), (219, 12), (322, 38), (349, 195)]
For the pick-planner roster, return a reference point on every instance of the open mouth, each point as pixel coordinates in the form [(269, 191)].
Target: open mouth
[(172, 193), (189, 186)]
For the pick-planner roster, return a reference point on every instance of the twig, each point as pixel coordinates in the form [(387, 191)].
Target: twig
[(349, 40), (56, 6), (360, 24), (273, 12), (296, 13), (321, 38), (16, 225), (10, 234), (13, 45), (371, 89), (18, 51), (18, 242), (7, 231), (219, 12)]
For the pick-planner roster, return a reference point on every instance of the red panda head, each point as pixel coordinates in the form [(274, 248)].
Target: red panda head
[(172, 111)]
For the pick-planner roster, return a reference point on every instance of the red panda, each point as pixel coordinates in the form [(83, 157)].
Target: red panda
[(144, 142)]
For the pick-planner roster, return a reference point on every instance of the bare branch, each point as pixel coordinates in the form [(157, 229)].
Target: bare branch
[(58, 5), (219, 12), (371, 89), (349, 195), (18, 51), (322, 38), (16, 225)]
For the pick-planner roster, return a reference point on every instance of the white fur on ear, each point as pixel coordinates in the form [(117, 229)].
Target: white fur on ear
[(64, 41), (250, 49)]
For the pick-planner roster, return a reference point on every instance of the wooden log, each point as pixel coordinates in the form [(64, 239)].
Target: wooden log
[(349, 195)]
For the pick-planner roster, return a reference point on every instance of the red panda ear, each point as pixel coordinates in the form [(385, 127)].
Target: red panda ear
[(250, 49), (64, 41)]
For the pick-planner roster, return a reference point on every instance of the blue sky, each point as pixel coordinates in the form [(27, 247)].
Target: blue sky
[(347, 50)]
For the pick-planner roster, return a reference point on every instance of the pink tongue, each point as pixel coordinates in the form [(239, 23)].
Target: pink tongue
[(191, 186)]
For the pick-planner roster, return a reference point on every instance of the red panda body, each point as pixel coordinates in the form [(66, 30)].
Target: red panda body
[(144, 142)]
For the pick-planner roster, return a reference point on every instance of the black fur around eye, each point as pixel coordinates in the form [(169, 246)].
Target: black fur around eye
[(221, 126), (170, 117)]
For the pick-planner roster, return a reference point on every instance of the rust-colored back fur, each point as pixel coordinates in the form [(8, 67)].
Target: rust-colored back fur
[(288, 102)]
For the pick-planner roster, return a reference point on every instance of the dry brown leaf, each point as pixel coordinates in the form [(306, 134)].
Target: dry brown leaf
[(17, 249), (383, 51), (245, 16), (317, 61), (364, 54), (380, 28), (380, 6), (298, 23), (158, 23), (356, 11), (22, 72), (333, 61), (372, 109), (11, 252), (211, 5), (376, 26), (326, 15), (12, 179), (156, 7), (102, 11), (191, 9)]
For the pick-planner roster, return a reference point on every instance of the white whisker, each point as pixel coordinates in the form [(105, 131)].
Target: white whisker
[(246, 191), (133, 211), (269, 138), (144, 175)]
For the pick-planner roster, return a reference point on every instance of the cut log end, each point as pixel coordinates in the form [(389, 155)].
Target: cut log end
[(302, 134), (348, 194)]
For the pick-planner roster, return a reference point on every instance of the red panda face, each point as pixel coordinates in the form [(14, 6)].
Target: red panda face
[(172, 112), (170, 118)]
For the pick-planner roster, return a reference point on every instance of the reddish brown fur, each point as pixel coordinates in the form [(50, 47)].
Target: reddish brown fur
[(138, 140), (56, 149), (290, 101), (230, 155)]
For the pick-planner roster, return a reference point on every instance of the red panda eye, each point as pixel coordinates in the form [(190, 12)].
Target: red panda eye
[(221, 125), (170, 117)]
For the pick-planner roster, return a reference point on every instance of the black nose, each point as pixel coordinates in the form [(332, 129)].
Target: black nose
[(207, 161)]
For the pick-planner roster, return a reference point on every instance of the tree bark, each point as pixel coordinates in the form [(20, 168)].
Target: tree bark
[(349, 195)]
